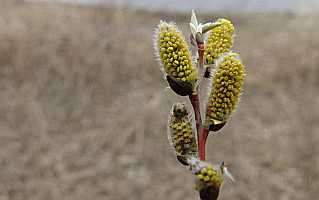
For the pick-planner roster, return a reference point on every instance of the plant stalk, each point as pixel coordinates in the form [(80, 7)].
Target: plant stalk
[(202, 136), (194, 99), (202, 142), (202, 132)]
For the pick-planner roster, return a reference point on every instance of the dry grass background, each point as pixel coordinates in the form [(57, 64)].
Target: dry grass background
[(83, 108)]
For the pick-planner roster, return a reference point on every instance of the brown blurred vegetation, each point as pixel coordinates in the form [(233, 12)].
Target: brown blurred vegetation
[(83, 108)]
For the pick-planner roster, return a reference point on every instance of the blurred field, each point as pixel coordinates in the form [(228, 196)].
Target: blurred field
[(83, 109)]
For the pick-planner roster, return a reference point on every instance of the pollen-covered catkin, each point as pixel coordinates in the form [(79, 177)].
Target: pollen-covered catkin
[(181, 131), (219, 41), (208, 176), (226, 87), (174, 53)]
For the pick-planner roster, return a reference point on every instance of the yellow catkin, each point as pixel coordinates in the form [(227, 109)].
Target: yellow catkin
[(227, 85), (174, 53), (181, 131), (219, 41), (208, 176)]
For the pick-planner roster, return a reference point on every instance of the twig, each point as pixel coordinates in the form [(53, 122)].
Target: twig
[(202, 131), (202, 142), (194, 99)]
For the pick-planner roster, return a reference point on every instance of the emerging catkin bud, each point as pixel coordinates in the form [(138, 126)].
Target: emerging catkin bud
[(172, 49), (226, 87), (181, 133), (219, 41), (208, 178)]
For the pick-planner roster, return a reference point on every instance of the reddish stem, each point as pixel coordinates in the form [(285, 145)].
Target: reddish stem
[(202, 142), (194, 99), (202, 132), (200, 49)]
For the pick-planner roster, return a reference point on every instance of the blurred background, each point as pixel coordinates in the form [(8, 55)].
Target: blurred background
[(83, 104)]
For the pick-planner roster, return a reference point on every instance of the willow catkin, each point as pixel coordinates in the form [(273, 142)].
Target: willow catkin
[(208, 178), (219, 41), (173, 53), (181, 132), (226, 87)]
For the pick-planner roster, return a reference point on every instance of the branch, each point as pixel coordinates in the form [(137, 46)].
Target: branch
[(194, 99), (202, 142), (203, 132)]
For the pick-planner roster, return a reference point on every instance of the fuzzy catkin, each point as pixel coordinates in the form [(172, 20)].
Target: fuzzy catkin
[(208, 176), (219, 41), (174, 53), (181, 131), (226, 87)]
